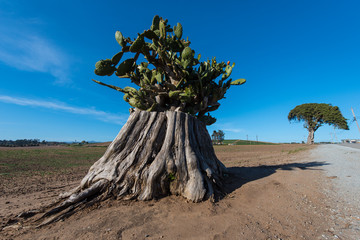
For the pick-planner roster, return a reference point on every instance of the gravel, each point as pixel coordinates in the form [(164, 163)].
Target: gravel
[(342, 169)]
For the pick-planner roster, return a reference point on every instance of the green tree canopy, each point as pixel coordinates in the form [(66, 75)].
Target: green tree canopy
[(315, 115), (168, 73)]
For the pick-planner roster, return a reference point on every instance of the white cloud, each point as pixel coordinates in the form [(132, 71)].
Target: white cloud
[(234, 130), (101, 115), (27, 51), (230, 127)]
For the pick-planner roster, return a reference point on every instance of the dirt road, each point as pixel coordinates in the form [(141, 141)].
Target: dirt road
[(342, 169), (351, 145)]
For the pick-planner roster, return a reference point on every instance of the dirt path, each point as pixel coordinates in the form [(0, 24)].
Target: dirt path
[(342, 188), (275, 192)]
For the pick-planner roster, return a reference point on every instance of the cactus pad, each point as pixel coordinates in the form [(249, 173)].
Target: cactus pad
[(120, 39), (104, 67)]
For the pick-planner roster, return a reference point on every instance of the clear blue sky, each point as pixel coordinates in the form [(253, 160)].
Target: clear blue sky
[(290, 52)]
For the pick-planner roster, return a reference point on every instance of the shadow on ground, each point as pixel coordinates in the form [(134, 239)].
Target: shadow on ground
[(238, 176)]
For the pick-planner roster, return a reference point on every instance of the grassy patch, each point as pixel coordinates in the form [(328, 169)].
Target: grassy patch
[(46, 160), (296, 150)]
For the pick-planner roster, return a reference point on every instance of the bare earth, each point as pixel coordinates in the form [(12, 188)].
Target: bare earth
[(274, 192)]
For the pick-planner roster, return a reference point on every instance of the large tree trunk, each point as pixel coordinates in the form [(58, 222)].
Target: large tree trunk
[(310, 139), (155, 154)]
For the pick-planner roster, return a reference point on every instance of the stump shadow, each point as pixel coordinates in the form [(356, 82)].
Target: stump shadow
[(238, 176)]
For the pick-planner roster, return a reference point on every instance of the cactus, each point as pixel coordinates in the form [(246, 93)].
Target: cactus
[(116, 58), (138, 44), (178, 30), (136, 103), (238, 82), (171, 78), (120, 39), (150, 35), (187, 53), (155, 23), (104, 67), (162, 29), (125, 67), (208, 120), (130, 89)]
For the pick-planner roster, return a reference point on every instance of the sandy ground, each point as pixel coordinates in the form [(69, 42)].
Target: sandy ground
[(275, 192)]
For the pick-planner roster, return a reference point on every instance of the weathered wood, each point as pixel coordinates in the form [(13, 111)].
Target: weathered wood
[(155, 154)]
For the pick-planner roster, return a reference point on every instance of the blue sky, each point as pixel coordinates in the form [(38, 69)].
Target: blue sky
[(290, 52)]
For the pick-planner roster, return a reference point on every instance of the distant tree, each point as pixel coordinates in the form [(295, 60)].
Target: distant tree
[(218, 137), (315, 115), (221, 136), (214, 137)]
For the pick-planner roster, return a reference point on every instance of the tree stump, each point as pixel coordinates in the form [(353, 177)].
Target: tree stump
[(155, 154)]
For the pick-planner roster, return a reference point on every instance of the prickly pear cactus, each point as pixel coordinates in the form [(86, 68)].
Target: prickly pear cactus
[(172, 78)]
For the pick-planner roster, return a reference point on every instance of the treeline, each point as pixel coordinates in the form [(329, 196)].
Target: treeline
[(20, 143), (27, 143)]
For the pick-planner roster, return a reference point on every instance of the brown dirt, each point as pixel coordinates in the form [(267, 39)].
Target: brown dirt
[(273, 193)]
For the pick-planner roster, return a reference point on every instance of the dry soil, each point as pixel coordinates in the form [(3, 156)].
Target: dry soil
[(274, 192)]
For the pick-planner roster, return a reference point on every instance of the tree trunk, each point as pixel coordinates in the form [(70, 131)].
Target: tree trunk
[(155, 154), (310, 139)]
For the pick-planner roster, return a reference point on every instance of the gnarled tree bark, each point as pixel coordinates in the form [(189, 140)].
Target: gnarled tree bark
[(155, 154)]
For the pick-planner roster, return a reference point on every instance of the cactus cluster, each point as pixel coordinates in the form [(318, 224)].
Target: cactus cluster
[(172, 77)]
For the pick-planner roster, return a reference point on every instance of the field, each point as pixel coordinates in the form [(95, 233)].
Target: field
[(30, 161), (272, 192), (245, 142)]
